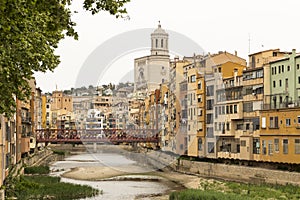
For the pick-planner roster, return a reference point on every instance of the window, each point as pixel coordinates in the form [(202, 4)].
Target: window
[(243, 143), (276, 145), (199, 98), (235, 108), (209, 105), (286, 83), (211, 147), (210, 90), (239, 127), (228, 126), (199, 85), (297, 146), (162, 43), (288, 68), (288, 122), (272, 70), (199, 112), (298, 79), (199, 144), (285, 146), (264, 147), (298, 66), (279, 69), (156, 43), (274, 84), (270, 147), (193, 78), (248, 107), (256, 146), (298, 119), (273, 122), (282, 68), (247, 126), (209, 118), (209, 132), (280, 83)]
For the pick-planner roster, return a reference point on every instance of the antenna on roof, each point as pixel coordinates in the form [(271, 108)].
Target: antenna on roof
[(249, 40)]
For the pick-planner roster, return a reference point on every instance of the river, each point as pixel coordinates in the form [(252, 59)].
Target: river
[(133, 187)]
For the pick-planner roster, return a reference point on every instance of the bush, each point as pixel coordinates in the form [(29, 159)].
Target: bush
[(192, 194), (45, 187), (59, 152), (37, 170)]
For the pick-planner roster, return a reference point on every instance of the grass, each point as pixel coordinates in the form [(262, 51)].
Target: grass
[(231, 190), (37, 170), (59, 152), (45, 187), (37, 185)]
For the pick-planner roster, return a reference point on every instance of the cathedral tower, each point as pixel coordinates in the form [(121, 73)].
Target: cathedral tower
[(159, 42)]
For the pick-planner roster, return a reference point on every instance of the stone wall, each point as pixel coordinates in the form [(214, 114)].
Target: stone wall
[(239, 173)]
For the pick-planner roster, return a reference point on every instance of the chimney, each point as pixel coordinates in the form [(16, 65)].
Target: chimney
[(235, 53)]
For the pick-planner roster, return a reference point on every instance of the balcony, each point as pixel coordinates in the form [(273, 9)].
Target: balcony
[(26, 120), (289, 104)]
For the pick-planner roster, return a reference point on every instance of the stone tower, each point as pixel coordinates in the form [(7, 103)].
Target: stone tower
[(159, 42)]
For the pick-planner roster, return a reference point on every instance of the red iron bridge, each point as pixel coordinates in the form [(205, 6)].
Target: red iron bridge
[(114, 136)]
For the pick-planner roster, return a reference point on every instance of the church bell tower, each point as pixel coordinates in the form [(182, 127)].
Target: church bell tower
[(159, 41)]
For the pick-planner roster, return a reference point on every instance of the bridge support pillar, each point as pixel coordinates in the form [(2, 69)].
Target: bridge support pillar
[(95, 147)]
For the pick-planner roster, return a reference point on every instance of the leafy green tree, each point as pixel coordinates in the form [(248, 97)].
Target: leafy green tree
[(30, 31)]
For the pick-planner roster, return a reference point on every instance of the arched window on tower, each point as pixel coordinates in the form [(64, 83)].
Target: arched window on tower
[(156, 43), (162, 43)]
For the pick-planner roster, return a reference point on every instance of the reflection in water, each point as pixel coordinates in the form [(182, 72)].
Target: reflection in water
[(111, 189)]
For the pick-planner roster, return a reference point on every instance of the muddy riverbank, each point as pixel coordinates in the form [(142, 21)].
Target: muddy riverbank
[(120, 177)]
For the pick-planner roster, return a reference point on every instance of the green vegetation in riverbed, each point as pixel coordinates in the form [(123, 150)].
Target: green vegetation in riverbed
[(230, 190), (60, 152), (37, 170), (45, 187)]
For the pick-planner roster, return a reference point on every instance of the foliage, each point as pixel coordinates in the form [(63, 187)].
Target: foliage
[(193, 194), (30, 31), (233, 190), (43, 187), (37, 170), (59, 152)]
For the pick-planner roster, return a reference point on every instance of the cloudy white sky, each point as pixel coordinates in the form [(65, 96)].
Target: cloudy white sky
[(216, 25)]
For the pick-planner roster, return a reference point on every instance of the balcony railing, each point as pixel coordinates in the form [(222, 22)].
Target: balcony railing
[(289, 104)]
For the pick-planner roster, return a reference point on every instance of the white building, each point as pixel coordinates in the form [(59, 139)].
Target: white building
[(152, 70)]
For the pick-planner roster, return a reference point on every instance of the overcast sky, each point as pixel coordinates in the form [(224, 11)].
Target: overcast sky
[(216, 25)]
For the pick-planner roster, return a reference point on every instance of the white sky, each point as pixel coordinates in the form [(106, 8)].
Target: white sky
[(216, 25)]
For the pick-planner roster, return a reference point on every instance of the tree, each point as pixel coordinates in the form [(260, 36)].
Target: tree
[(30, 31)]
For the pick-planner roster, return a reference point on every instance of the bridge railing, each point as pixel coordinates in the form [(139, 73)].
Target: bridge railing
[(83, 134)]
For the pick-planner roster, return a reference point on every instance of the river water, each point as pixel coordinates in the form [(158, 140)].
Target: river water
[(112, 189)]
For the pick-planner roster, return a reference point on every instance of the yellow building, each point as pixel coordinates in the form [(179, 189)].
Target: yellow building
[(191, 72), (279, 136), (60, 107)]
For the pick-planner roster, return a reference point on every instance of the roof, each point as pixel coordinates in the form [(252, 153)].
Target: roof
[(223, 57), (159, 30), (277, 50)]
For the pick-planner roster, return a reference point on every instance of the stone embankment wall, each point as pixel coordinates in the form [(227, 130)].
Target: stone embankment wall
[(223, 171), (239, 173)]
